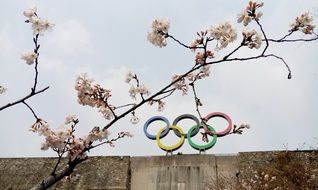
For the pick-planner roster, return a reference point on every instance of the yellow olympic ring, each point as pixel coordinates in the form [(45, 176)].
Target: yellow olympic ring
[(173, 147)]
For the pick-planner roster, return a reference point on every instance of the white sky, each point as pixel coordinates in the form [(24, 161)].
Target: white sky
[(106, 39)]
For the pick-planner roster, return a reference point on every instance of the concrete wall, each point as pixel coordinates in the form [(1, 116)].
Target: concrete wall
[(180, 172), (177, 172), (95, 173)]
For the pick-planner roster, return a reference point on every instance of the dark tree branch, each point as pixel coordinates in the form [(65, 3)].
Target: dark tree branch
[(196, 100), (23, 99), (179, 42), (60, 154), (36, 51), (266, 41), (52, 179), (36, 117)]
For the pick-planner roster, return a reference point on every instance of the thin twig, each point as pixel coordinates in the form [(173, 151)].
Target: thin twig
[(261, 27), (197, 100), (36, 51), (186, 46), (125, 105), (36, 117)]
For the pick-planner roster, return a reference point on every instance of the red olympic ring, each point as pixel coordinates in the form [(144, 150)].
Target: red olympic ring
[(224, 116)]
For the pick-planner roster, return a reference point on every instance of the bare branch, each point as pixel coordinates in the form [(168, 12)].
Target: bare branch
[(23, 99)]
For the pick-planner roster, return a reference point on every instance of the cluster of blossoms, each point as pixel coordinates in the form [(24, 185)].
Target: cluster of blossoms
[(158, 33), (249, 13), (252, 39), (201, 56), (134, 90), (182, 83), (29, 57), (93, 95), (141, 89), (198, 41), (303, 23), (38, 25), (2, 89), (63, 139), (160, 102), (224, 34)]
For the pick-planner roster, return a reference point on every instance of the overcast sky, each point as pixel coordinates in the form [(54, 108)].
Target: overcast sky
[(107, 39)]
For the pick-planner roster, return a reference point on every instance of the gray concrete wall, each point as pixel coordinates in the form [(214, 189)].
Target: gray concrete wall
[(171, 172), (177, 172), (95, 173)]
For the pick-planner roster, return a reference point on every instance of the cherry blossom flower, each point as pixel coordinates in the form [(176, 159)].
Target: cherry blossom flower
[(157, 34), (198, 41), (44, 146), (107, 111), (29, 57), (39, 25), (132, 91), (93, 95), (142, 89), (200, 58), (180, 84), (70, 119), (161, 105), (247, 126), (2, 89), (76, 147), (84, 87), (129, 77), (29, 13), (303, 23), (249, 13), (41, 127), (204, 71), (122, 134), (252, 39), (97, 134), (134, 119), (191, 76), (224, 34)]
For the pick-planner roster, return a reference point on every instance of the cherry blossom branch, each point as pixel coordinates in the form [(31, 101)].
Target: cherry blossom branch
[(120, 135), (36, 51), (294, 40), (197, 100), (179, 42), (64, 150), (29, 60), (71, 165), (52, 179)]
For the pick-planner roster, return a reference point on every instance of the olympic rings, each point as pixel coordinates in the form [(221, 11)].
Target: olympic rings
[(202, 147), (192, 131), (186, 116), (173, 147), (223, 115), (156, 118)]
